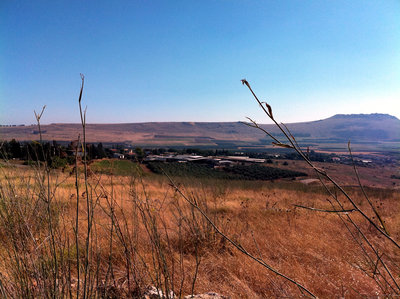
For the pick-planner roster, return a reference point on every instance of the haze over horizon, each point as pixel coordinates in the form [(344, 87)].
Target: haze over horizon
[(384, 115), (183, 60)]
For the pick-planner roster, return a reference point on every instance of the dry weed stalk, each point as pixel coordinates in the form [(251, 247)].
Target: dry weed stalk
[(88, 197), (47, 198), (383, 277)]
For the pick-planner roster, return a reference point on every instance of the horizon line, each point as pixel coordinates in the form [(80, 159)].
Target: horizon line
[(188, 121)]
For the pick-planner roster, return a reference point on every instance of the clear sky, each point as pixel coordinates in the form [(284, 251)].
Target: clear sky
[(183, 60)]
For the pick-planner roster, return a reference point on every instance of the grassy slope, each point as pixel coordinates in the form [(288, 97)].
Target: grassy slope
[(314, 248), (115, 167)]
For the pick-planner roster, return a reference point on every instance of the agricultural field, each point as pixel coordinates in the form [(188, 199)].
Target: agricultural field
[(379, 176), (115, 167), (144, 232), (236, 172)]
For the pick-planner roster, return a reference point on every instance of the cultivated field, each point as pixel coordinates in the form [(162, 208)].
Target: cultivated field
[(380, 176)]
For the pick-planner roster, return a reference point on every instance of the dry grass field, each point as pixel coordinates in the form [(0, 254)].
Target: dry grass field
[(143, 233)]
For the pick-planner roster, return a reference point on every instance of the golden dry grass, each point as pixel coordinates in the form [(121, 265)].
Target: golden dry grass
[(314, 248)]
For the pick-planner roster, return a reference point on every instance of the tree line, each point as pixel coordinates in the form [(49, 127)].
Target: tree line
[(52, 152)]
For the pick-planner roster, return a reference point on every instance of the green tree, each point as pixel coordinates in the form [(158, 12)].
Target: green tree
[(15, 149), (100, 151), (139, 154)]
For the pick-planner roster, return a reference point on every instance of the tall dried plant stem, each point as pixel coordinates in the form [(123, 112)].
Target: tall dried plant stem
[(47, 199), (295, 147), (380, 227), (88, 202), (76, 232)]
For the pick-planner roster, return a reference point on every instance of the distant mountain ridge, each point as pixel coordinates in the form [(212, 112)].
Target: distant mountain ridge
[(374, 130), (378, 116)]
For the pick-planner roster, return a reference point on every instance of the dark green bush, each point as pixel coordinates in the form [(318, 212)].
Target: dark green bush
[(57, 162)]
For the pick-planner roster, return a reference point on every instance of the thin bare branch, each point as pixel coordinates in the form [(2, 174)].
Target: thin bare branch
[(379, 227), (363, 190), (255, 125), (322, 172), (326, 211)]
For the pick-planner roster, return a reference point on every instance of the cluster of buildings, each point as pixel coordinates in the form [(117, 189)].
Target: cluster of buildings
[(216, 160), (239, 158), (348, 160)]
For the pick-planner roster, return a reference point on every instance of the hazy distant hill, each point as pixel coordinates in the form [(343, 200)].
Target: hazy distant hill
[(371, 130), (356, 127)]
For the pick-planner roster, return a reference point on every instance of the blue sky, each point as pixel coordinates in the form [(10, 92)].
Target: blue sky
[(183, 60)]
